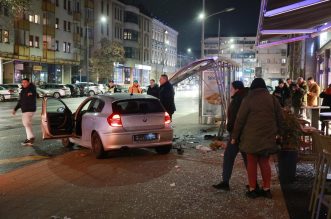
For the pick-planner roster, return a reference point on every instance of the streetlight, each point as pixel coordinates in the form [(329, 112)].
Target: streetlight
[(203, 17), (103, 19)]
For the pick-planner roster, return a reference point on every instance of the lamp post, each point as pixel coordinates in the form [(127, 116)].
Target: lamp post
[(203, 17), (103, 20)]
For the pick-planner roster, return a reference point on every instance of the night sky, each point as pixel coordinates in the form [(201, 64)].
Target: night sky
[(182, 16)]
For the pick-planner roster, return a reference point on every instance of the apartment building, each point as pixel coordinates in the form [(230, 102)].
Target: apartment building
[(40, 43), (53, 43), (164, 49), (268, 63)]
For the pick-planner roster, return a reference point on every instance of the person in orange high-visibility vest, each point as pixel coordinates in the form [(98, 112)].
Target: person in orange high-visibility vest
[(135, 88)]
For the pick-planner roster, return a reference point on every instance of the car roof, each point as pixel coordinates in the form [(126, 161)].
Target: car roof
[(124, 96)]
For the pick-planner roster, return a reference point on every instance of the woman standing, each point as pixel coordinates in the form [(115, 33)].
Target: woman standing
[(257, 124)]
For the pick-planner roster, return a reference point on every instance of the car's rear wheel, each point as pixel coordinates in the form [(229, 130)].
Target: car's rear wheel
[(163, 149), (56, 95), (67, 143), (97, 146), (2, 98), (91, 93)]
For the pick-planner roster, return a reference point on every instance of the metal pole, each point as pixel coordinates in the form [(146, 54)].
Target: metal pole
[(1, 72), (87, 54), (202, 56), (218, 37)]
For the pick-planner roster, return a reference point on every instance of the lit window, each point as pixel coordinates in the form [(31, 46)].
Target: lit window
[(37, 19), (31, 18), (30, 40), (5, 36), (64, 47), (36, 42), (283, 61), (57, 23)]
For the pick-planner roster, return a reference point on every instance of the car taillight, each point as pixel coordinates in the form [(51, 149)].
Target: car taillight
[(115, 120), (167, 119), (11, 91)]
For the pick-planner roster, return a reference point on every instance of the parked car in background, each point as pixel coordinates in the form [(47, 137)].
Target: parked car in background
[(74, 89), (109, 121), (8, 93), (103, 88), (89, 89), (54, 90), (15, 87)]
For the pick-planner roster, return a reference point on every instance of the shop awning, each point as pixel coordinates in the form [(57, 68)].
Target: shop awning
[(284, 21)]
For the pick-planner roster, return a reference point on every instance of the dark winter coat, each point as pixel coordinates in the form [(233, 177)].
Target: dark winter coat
[(281, 95), (154, 91), (167, 97), (297, 94), (234, 107), (326, 95), (258, 122), (27, 99)]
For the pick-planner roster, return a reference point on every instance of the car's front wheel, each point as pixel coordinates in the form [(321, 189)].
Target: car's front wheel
[(91, 93), (97, 146), (56, 95), (67, 143), (163, 149)]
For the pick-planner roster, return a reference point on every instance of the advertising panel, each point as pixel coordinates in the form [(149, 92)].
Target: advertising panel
[(211, 100)]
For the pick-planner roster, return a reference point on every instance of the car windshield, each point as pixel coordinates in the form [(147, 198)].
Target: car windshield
[(137, 106)]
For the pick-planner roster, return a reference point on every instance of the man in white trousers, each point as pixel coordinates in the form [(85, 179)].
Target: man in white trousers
[(28, 104)]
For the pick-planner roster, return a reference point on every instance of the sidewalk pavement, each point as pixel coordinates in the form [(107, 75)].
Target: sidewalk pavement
[(136, 184)]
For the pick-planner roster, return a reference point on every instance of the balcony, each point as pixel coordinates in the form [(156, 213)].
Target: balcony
[(48, 6), (48, 54), (76, 16), (89, 4), (22, 50), (49, 30), (22, 24)]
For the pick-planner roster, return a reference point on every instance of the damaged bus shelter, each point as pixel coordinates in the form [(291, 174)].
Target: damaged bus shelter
[(215, 76)]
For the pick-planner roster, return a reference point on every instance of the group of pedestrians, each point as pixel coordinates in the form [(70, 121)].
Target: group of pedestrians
[(254, 122), (165, 92), (297, 95)]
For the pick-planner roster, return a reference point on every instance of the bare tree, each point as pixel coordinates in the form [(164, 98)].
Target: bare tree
[(102, 62), (16, 6)]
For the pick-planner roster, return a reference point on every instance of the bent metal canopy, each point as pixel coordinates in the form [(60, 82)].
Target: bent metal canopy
[(224, 70), (292, 20)]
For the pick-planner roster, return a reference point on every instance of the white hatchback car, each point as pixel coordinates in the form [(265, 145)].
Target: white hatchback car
[(109, 121)]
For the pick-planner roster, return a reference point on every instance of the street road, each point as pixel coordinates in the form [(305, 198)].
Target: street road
[(12, 133)]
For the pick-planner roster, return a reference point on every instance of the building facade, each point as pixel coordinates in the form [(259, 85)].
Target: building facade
[(164, 49), (55, 43), (40, 44), (270, 64)]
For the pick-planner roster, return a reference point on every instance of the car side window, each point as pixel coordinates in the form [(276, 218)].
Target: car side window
[(88, 106), (98, 105)]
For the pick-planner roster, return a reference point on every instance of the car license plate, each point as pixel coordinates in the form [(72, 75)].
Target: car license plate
[(145, 137)]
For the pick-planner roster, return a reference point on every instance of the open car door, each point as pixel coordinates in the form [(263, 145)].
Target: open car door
[(56, 119)]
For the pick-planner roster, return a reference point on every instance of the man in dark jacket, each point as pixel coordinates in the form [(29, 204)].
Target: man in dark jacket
[(153, 89), (281, 92), (28, 104), (238, 92), (167, 95), (326, 95)]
